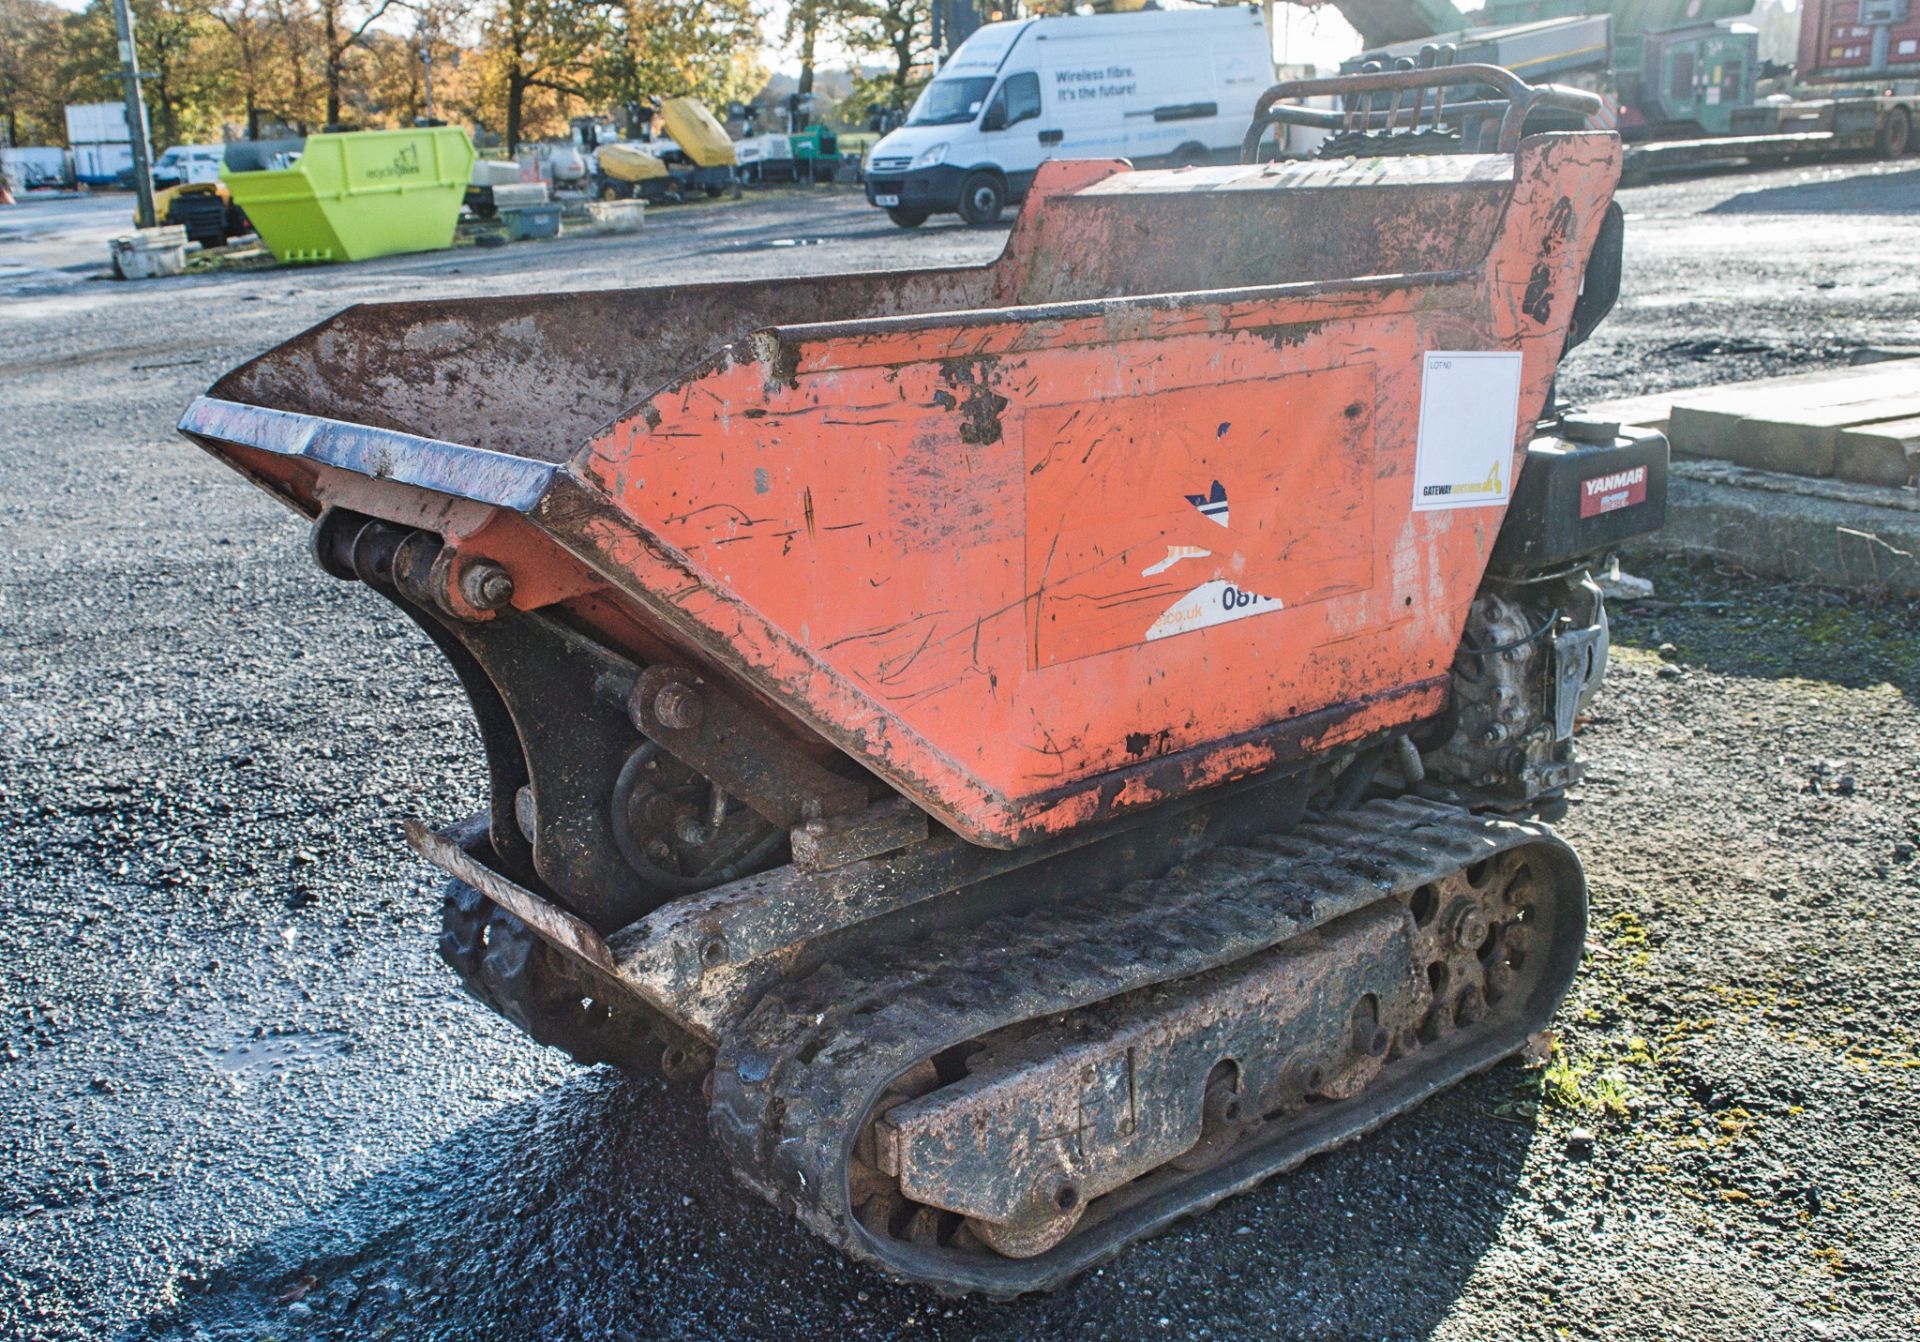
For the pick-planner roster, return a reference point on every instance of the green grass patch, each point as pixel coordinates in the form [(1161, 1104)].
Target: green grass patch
[(1580, 1085), (1741, 625)]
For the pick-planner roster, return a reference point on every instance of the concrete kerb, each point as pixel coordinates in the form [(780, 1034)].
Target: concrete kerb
[(1829, 532)]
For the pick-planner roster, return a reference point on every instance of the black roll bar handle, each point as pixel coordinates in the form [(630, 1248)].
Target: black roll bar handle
[(1518, 100)]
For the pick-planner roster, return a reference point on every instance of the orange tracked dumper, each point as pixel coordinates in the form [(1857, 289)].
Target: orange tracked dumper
[(1049, 743)]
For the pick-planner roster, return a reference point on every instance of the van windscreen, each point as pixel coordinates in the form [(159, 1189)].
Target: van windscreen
[(948, 102)]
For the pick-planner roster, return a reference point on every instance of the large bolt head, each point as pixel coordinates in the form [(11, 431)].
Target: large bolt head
[(678, 706), (1471, 927), (486, 586)]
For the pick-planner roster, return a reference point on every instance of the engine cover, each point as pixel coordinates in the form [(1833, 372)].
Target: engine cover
[(1582, 491)]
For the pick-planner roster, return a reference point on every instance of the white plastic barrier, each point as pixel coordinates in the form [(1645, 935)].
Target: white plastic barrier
[(150, 252)]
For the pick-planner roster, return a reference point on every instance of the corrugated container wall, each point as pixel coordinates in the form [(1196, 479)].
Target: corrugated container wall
[(97, 123), (1848, 40), (101, 164)]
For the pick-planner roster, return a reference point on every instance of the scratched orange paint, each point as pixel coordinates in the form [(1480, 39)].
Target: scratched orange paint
[(1122, 515), (1151, 517), (929, 536)]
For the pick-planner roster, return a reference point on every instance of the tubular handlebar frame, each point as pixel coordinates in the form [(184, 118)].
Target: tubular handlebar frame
[(1519, 98)]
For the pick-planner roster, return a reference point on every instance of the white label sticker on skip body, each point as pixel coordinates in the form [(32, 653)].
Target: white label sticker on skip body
[(1469, 412)]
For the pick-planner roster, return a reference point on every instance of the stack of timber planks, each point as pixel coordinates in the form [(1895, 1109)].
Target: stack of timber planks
[(1807, 477), (1860, 424)]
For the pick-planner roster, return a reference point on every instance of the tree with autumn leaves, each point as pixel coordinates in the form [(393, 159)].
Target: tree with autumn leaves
[(515, 68), (255, 67)]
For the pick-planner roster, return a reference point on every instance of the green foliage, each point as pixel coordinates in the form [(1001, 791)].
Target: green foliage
[(538, 60), (31, 93), (211, 66), (1582, 1087), (674, 48), (901, 32), (880, 90)]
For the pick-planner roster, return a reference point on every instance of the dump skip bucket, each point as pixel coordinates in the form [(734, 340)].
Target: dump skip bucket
[(361, 194), (532, 221)]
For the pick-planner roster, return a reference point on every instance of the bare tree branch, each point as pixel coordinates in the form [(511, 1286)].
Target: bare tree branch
[(372, 18)]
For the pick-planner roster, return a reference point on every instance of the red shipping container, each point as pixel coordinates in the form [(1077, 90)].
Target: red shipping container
[(1859, 40)]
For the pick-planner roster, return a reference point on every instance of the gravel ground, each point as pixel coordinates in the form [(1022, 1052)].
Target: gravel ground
[(243, 1099)]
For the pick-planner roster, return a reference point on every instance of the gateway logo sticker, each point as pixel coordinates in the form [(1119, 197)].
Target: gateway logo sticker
[(1489, 486), (1469, 419)]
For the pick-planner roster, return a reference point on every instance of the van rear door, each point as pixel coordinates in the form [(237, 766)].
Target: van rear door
[(1200, 85), (1242, 71)]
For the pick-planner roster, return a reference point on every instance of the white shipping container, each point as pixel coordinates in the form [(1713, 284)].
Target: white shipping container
[(36, 165), (100, 164), (97, 123)]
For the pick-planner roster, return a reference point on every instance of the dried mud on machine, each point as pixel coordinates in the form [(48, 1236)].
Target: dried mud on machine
[(1046, 744)]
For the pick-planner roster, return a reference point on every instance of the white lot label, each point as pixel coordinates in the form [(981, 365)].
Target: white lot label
[(1469, 408)]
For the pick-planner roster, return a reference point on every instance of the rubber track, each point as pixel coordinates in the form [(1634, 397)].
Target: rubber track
[(795, 1081)]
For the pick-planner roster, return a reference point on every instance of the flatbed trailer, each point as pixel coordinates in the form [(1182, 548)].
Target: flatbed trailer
[(1814, 128)]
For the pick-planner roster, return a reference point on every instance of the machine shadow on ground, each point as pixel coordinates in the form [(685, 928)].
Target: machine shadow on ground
[(1891, 193), (601, 1208)]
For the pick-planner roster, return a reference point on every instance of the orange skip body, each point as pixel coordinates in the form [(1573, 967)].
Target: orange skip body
[(1127, 513), (966, 547)]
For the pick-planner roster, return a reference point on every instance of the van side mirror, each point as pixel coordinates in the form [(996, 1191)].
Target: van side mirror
[(996, 117)]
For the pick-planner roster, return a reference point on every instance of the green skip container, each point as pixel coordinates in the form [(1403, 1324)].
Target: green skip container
[(360, 194)]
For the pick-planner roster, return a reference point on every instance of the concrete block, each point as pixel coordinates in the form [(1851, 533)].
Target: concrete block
[(1829, 532), (1790, 423)]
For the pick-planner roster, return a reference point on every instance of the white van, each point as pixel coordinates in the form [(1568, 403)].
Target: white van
[(1156, 86), (185, 163)]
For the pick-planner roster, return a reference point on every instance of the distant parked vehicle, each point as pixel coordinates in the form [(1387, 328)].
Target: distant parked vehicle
[(694, 154), (1161, 87), (766, 158), (185, 163), (809, 155), (816, 154)]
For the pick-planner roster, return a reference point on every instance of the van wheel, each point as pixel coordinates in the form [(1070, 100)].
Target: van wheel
[(1896, 134), (982, 197), (1192, 154), (907, 218)]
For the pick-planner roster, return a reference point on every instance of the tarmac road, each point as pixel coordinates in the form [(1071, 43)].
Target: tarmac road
[(241, 1098), (51, 239)]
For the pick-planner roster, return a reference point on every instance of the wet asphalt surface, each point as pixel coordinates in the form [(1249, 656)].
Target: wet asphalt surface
[(241, 1098)]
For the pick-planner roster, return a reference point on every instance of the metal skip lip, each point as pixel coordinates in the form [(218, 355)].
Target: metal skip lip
[(474, 473)]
